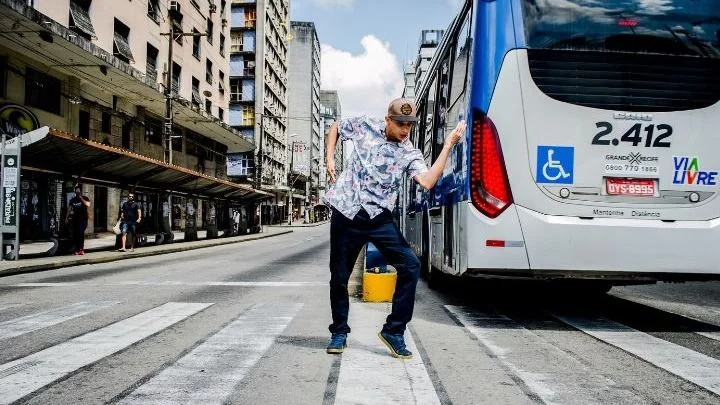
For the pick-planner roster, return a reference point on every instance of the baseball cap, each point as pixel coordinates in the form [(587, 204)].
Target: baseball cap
[(403, 110)]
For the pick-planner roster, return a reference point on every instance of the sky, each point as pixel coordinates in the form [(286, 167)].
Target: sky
[(366, 44)]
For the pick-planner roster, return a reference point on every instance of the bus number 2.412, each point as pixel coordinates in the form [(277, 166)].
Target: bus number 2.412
[(654, 136)]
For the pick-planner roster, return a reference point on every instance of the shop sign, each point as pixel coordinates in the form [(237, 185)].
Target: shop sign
[(17, 120)]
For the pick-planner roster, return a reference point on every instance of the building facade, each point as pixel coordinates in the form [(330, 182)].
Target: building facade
[(259, 96), (97, 70), (415, 71), (304, 130), (330, 112)]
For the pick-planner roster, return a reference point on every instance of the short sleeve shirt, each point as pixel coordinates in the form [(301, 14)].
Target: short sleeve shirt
[(375, 168), (130, 211)]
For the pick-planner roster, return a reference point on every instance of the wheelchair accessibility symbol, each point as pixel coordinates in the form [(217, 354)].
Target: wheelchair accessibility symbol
[(555, 164)]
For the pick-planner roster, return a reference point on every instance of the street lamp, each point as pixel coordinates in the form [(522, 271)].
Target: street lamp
[(291, 182)]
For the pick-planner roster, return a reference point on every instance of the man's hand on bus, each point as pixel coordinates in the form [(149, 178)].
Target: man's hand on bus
[(456, 135), (428, 179)]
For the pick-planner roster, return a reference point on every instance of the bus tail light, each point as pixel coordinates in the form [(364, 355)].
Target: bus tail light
[(489, 185)]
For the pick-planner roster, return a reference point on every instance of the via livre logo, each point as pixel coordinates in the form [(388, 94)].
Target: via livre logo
[(687, 171)]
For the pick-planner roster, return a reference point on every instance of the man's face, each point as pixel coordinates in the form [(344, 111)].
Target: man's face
[(78, 191), (131, 197), (397, 131)]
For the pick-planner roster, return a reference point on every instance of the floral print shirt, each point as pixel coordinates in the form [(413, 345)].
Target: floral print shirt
[(375, 168)]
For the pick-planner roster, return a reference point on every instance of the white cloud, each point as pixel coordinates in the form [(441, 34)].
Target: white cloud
[(366, 82), (456, 4)]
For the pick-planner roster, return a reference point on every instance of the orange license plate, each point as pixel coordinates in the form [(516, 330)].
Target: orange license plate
[(631, 187)]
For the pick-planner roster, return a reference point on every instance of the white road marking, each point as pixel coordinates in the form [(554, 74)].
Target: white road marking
[(548, 371), (208, 374), (185, 283), (30, 323), (370, 375), (23, 376), (685, 363)]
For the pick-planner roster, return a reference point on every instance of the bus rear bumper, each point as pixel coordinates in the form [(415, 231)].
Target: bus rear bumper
[(614, 246)]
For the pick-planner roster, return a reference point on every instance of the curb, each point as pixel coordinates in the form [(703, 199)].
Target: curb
[(301, 226), (146, 251)]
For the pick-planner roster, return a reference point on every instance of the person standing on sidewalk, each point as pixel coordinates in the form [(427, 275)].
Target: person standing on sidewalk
[(362, 199), (130, 215), (77, 216)]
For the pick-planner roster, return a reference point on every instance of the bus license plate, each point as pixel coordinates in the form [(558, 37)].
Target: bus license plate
[(634, 187)]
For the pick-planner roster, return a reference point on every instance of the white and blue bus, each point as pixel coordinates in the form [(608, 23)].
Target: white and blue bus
[(593, 142)]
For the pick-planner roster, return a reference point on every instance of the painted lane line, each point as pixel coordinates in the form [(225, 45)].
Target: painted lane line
[(547, 371), (685, 363), (40, 320), (370, 375), (210, 372), (171, 283), (21, 377)]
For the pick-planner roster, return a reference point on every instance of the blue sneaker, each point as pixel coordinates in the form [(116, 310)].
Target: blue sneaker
[(396, 344), (338, 343)]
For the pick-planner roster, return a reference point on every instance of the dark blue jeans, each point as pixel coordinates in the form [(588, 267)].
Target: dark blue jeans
[(347, 238)]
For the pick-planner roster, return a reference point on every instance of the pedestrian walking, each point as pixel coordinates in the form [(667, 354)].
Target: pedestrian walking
[(362, 199), (77, 217), (130, 215)]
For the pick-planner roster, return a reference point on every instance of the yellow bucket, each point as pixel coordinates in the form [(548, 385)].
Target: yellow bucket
[(378, 287)]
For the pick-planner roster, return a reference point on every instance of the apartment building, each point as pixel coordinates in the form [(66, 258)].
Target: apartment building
[(415, 71), (95, 71), (258, 96), (304, 128)]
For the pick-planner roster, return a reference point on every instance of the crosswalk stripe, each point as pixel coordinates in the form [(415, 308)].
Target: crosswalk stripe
[(30, 323), (23, 376), (546, 370), (370, 375), (685, 363), (208, 374)]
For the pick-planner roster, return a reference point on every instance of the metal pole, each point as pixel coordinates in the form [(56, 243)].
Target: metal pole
[(291, 183), (167, 132), (258, 166), (17, 205), (2, 192)]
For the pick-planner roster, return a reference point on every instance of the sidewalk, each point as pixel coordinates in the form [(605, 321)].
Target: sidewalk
[(101, 254), (299, 224)]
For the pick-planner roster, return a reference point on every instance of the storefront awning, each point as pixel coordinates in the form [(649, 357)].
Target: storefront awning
[(62, 153)]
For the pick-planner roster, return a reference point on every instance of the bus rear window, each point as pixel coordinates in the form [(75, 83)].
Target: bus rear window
[(675, 27)]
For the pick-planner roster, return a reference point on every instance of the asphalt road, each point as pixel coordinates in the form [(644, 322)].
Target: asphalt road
[(247, 324)]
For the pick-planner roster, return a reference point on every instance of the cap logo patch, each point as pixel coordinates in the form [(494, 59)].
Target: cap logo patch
[(406, 109)]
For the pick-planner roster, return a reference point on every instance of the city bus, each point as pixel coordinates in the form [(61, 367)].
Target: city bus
[(590, 151)]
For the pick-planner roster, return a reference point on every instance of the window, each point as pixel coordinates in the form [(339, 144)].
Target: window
[(222, 45), (192, 143), (235, 90), (236, 42), (153, 131), (460, 64), (222, 7), (121, 44), (42, 91), (80, 19), (176, 141), (248, 116), (151, 63), (209, 31), (208, 106), (208, 71), (176, 74), (154, 10), (221, 114), (196, 43), (221, 82), (3, 76), (84, 124), (177, 27), (106, 123), (196, 92)]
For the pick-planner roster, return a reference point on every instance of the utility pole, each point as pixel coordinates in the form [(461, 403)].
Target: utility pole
[(172, 37)]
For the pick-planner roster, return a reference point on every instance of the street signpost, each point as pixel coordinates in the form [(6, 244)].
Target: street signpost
[(10, 194)]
